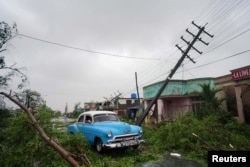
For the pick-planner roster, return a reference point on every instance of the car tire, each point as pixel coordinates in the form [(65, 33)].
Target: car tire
[(98, 145), (135, 147)]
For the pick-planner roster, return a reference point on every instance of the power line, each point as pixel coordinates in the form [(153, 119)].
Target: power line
[(209, 63), (223, 43), (215, 61), (84, 50)]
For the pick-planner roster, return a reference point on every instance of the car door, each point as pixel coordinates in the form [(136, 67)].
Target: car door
[(79, 123), (87, 128)]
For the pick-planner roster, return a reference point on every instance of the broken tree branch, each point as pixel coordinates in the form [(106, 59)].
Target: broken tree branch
[(45, 137)]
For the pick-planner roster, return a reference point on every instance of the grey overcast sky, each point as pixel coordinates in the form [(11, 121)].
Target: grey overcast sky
[(85, 50)]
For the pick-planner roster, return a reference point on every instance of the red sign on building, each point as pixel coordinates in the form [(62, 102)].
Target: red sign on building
[(241, 73)]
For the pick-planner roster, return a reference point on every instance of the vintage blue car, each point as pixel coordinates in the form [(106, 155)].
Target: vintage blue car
[(104, 130)]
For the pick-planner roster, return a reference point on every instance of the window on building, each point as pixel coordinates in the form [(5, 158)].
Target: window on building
[(197, 104)]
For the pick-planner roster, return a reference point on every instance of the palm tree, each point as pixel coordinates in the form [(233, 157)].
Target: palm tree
[(208, 94), (212, 103)]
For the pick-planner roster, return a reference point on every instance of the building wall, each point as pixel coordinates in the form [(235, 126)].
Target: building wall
[(176, 87), (176, 98), (235, 88), (175, 106), (168, 109), (123, 103)]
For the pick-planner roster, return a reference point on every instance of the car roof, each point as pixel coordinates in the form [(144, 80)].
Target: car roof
[(97, 112)]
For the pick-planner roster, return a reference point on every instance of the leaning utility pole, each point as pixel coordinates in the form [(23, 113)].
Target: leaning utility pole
[(185, 54)]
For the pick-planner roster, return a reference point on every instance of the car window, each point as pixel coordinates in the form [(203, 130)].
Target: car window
[(105, 117), (88, 119), (80, 119)]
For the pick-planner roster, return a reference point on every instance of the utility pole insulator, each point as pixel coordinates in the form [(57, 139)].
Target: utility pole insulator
[(203, 29), (190, 32), (206, 43), (191, 59), (183, 52), (197, 50), (196, 25), (185, 40), (179, 48), (198, 38), (211, 36), (192, 46)]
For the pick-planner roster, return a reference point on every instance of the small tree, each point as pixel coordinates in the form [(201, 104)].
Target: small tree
[(77, 110), (208, 94), (30, 98), (7, 72), (212, 103)]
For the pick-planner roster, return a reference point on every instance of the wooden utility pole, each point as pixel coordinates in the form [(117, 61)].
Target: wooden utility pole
[(184, 55), (139, 103)]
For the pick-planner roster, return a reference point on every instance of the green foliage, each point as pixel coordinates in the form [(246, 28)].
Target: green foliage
[(30, 98), (8, 72), (22, 146), (212, 104), (193, 137), (4, 113)]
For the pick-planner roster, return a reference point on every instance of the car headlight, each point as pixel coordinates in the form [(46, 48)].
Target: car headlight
[(109, 134), (140, 130)]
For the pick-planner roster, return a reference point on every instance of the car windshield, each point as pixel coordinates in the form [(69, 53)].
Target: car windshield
[(105, 117)]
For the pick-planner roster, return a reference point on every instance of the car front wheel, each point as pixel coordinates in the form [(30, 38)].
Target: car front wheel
[(98, 145), (135, 147)]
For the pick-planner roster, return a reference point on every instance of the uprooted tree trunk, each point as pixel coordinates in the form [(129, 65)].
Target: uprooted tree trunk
[(66, 155)]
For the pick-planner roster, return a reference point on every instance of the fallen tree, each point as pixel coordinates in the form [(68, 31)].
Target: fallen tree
[(65, 155)]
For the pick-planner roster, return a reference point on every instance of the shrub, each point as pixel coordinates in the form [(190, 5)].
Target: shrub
[(194, 137)]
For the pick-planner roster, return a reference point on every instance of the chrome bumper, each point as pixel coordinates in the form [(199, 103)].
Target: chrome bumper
[(121, 144)]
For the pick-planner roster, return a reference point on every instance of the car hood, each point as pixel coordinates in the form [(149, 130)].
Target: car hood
[(117, 128)]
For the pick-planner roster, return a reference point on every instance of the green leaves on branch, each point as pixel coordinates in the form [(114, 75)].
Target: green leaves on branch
[(7, 72)]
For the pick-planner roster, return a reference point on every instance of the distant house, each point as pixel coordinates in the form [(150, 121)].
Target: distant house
[(122, 106), (89, 106), (179, 96), (104, 105), (127, 106)]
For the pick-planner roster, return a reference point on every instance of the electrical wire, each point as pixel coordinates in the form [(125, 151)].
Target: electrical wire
[(85, 50), (218, 60)]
